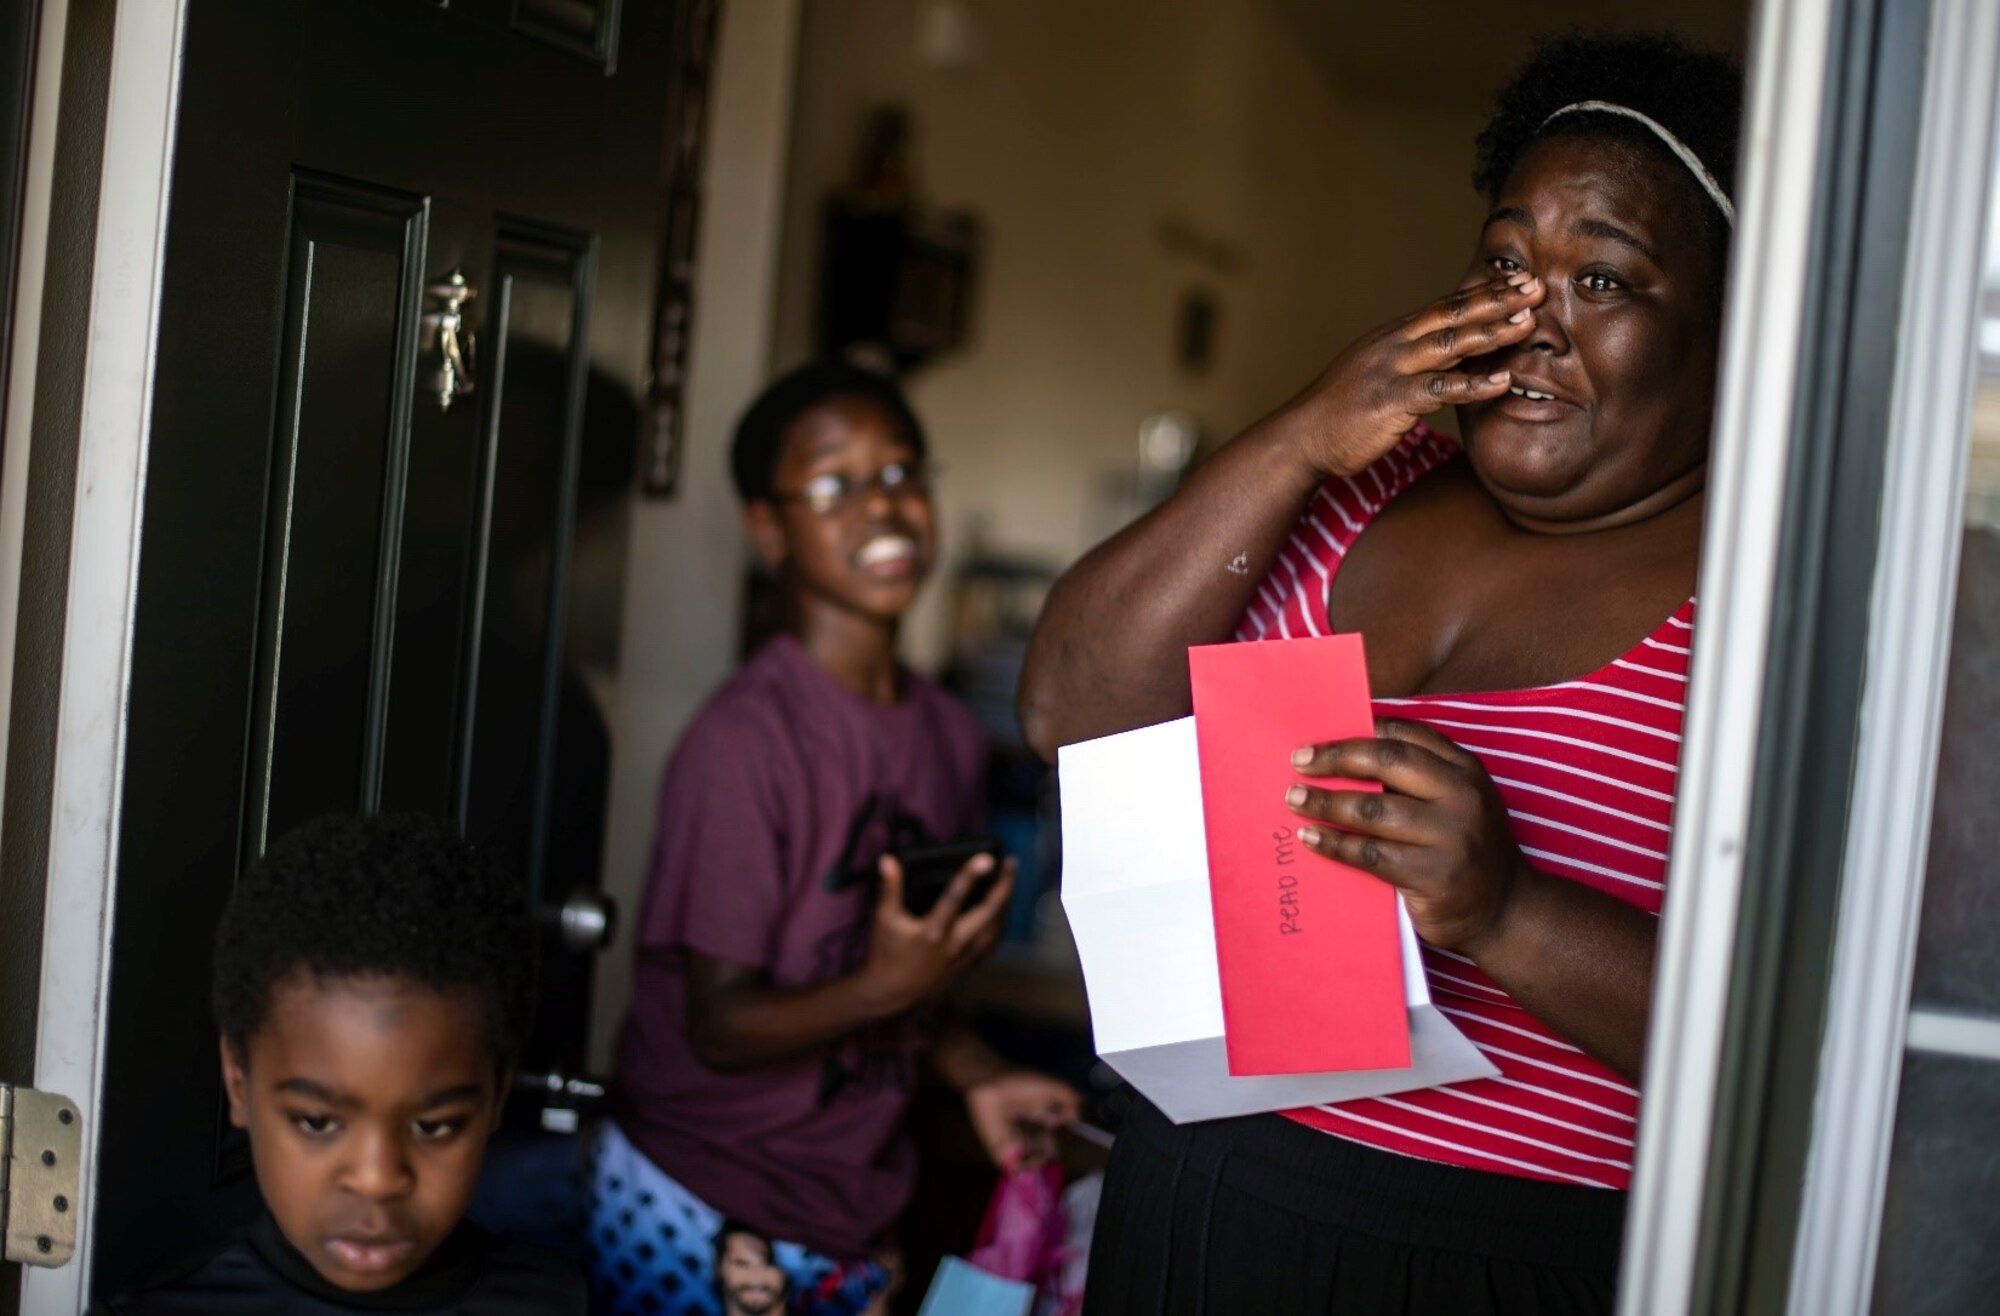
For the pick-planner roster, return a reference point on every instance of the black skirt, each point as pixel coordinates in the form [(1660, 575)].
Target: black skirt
[(1264, 1217)]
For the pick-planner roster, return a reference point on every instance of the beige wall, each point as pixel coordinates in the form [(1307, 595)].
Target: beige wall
[(1074, 131), (687, 554)]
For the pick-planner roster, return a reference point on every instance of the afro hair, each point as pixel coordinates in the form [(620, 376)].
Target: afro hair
[(384, 896), (760, 435), (1695, 94)]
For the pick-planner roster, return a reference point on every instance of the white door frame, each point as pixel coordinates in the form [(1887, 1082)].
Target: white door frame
[(1869, 1018), (112, 422), (1765, 332)]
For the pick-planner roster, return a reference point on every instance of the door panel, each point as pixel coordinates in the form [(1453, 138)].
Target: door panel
[(340, 446), (421, 759), (543, 280), (524, 687), (587, 28), (350, 595)]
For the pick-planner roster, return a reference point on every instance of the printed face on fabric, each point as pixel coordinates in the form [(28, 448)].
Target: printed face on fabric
[(853, 524), (368, 1102), (1613, 390), (747, 1276), (656, 1248)]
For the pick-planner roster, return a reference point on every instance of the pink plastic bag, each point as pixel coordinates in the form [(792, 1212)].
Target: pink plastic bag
[(1022, 1235), (1026, 1237)]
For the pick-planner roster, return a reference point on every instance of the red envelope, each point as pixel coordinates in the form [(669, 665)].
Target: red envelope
[(1307, 949)]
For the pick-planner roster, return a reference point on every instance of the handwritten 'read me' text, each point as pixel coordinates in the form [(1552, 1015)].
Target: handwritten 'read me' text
[(1287, 853)]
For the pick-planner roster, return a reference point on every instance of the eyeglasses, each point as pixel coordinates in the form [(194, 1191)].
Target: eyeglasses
[(834, 492)]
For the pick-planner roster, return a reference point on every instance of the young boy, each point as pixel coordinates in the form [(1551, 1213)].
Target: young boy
[(783, 996), (373, 977)]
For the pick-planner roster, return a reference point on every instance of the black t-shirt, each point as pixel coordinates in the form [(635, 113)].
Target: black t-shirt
[(473, 1273)]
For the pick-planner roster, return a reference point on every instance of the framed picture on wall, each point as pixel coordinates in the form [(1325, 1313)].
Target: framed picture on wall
[(673, 317)]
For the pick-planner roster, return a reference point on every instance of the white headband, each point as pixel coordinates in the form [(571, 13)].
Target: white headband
[(1673, 143)]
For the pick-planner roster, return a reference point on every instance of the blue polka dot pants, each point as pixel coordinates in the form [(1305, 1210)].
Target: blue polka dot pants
[(652, 1247)]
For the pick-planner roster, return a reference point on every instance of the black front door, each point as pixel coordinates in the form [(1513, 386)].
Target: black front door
[(355, 582)]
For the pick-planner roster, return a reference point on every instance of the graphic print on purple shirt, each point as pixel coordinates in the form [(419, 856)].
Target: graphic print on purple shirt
[(783, 793), (883, 1055)]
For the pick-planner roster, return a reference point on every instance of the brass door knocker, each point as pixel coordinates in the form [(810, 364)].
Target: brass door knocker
[(451, 379)]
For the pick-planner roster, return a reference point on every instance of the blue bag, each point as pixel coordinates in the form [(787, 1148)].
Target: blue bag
[(963, 1289)]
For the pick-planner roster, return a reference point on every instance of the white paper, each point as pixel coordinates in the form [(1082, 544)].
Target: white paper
[(1135, 888)]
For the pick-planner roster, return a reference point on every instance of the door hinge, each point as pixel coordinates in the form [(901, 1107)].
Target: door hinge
[(41, 1150)]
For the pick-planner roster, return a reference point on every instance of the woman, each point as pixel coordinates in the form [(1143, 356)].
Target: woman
[(1527, 603)]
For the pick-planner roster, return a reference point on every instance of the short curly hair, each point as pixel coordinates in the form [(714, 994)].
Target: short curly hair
[(1695, 94), (389, 895), (760, 434)]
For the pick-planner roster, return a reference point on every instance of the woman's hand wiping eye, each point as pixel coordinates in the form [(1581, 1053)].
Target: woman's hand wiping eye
[(1388, 380)]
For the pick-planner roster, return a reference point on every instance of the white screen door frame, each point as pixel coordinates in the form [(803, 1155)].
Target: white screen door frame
[(141, 83)]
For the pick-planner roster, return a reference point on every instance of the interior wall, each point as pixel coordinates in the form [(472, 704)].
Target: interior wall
[(687, 554), (1077, 133)]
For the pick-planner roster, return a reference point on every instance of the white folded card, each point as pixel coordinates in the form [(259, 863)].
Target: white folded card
[(1135, 888)]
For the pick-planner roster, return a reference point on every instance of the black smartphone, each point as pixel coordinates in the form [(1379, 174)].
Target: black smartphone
[(928, 870)]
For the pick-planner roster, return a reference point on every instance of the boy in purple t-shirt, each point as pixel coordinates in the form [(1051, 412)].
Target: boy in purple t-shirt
[(783, 997)]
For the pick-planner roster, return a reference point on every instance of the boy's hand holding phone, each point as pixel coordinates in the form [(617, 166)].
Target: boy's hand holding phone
[(912, 958)]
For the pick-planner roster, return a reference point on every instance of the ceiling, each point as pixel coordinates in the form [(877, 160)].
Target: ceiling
[(1462, 50)]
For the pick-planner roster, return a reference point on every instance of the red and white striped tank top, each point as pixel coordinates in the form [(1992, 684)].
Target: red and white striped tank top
[(1587, 771)]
